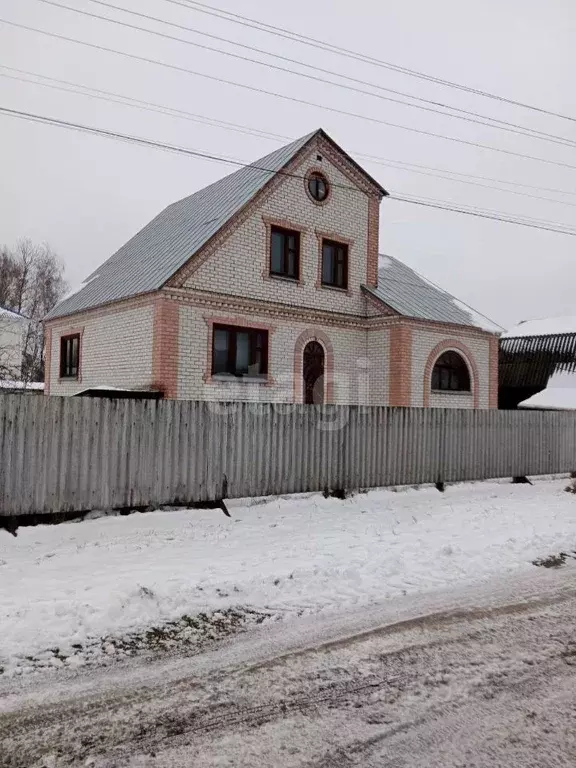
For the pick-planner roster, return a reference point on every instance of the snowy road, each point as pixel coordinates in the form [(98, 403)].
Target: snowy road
[(481, 677), (73, 593)]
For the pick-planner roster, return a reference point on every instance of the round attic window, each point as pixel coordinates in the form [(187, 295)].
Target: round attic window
[(318, 187)]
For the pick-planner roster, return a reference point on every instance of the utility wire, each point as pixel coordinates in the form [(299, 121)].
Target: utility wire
[(79, 89), (293, 99), (471, 118), (130, 101), (518, 218), (43, 119), (313, 42), (480, 214)]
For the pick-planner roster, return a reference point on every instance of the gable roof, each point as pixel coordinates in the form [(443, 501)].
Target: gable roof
[(164, 246), (412, 295)]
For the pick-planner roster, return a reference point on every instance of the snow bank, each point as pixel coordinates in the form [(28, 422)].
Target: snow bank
[(36, 386), (545, 326), (560, 393), (67, 584)]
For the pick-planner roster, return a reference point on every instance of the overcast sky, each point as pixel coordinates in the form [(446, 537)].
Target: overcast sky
[(87, 195)]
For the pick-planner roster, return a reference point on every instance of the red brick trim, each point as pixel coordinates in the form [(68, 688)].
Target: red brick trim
[(321, 172), (166, 347), (345, 166), (372, 247), (446, 346), (493, 373), (270, 222), (74, 331), (226, 302), (240, 322), (400, 369), (384, 309), (469, 331), (313, 334), (335, 239), (47, 359)]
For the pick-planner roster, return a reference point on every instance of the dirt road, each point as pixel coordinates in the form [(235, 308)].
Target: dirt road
[(488, 684)]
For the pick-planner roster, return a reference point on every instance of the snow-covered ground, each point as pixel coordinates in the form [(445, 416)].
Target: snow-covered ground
[(68, 586)]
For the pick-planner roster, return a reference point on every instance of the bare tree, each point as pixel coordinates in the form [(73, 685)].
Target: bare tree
[(31, 283)]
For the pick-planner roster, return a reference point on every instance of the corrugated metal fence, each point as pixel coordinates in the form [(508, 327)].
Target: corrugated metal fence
[(60, 455)]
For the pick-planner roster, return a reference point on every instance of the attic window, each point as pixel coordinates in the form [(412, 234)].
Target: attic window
[(318, 187)]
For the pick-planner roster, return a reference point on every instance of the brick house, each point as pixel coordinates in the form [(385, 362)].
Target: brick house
[(267, 285)]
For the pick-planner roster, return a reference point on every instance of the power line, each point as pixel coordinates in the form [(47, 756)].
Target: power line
[(293, 99), (476, 176), (517, 218), (80, 89), (466, 115), (45, 120), (129, 101), (479, 214), (245, 21)]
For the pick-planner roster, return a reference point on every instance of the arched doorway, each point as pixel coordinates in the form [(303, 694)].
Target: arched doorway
[(313, 373)]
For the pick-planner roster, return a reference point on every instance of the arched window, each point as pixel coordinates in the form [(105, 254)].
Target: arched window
[(451, 374)]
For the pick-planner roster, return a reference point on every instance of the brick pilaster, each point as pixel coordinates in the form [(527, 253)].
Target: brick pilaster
[(166, 347), (373, 241), (400, 389), (493, 374)]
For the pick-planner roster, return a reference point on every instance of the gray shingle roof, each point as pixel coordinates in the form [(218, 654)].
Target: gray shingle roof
[(412, 295), (164, 245)]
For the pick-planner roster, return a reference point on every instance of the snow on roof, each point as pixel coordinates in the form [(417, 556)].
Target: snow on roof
[(12, 315), (33, 385), (560, 393), (413, 295), (544, 326)]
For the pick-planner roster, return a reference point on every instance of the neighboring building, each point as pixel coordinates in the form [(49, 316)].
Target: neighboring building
[(12, 338), (531, 353), (266, 286)]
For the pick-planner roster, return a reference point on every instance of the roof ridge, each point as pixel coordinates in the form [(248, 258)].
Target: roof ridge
[(165, 244)]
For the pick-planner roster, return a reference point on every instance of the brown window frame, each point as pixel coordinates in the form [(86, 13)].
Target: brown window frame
[(286, 234), (230, 368), (69, 370), (448, 376), (333, 282), (317, 176)]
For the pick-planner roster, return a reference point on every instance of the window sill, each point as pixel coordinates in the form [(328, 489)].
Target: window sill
[(334, 288), (68, 378), (460, 392), (230, 379), (284, 278)]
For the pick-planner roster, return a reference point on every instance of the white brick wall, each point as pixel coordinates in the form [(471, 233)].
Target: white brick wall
[(237, 267), (351, 384), (452, 400), (423, 344), (116, 350), (379, 366)]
